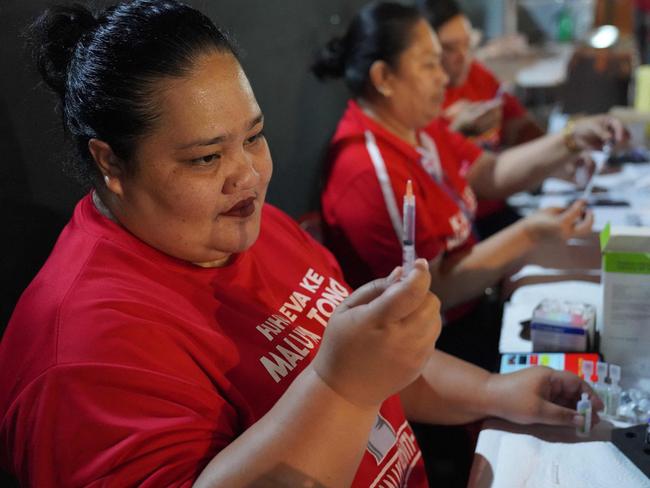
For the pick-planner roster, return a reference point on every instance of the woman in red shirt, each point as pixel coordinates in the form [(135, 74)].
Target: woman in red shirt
[(391, 61), (502, 121)]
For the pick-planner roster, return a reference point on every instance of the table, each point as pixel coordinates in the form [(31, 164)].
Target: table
[(570, 271), (509, 455)]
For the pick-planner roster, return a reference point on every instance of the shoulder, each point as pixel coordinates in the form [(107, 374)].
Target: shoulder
[(443, 136), (96, 296), (481, 72)]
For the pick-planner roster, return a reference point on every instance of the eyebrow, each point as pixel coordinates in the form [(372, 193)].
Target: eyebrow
[(221, 138)]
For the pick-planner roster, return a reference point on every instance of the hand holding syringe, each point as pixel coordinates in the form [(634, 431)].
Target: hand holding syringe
[(599, 134), (600, 159)]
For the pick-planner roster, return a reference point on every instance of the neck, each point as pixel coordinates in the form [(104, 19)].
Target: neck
[(101, 207), (383, 115)]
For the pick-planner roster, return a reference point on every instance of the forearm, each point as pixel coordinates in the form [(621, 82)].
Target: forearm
[(449, 391), (460, 278), (520, 168), (310, 435)]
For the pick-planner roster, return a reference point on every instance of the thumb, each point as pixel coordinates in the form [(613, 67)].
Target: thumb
[(553, 414), (371, 290)]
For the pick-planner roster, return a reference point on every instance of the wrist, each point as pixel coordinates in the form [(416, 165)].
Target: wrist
[(338, 393), (491, 402), (530, 231)]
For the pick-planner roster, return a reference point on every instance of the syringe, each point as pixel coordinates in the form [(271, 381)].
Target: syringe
[(600, 164), (408, 238)]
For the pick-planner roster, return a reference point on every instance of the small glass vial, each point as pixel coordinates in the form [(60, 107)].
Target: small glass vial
[(584, 410), (588, 371), (600, 387), (614, 391)]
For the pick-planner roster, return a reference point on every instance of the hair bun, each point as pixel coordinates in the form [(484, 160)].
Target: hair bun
[(54, 36), (330, 61)]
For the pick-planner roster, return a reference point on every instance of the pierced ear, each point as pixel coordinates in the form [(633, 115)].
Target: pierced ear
[(108, 164), (381, 78)]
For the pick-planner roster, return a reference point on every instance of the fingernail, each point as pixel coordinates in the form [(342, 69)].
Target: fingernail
[(578, 420), (421, 262)]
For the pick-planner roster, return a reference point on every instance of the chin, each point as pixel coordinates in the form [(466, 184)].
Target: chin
[(245, 238)]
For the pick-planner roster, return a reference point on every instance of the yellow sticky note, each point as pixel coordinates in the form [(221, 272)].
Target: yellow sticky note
[(642, 95)]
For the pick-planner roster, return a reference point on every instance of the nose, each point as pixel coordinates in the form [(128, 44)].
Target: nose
[(243, 174)]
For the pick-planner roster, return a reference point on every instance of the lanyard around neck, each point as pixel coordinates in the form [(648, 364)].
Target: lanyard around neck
[(384, 182)]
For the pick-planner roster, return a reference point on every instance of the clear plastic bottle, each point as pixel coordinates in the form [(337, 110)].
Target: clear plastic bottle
[(614, 391), (600, 387), (584, 410)]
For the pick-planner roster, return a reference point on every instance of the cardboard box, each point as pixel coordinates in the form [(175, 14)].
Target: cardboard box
[(625, 334)]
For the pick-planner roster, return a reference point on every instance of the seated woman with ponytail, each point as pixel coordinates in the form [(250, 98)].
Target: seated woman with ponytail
[(176, 335), (390, 60)]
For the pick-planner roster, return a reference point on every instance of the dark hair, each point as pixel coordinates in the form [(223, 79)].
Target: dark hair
[(380, 31), (439, 12), (104, 67)]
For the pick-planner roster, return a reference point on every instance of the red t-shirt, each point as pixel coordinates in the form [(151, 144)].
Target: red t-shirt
[(481, 85), (358, 227), (123, 366)]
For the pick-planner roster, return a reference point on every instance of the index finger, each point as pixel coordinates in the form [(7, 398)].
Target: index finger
[(584, 225), (616, 128)]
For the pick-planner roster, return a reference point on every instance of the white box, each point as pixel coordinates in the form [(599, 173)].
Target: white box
[(625, 334)]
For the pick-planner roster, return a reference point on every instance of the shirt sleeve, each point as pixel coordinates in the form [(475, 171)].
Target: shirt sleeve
[(110, 425), (512, 108)]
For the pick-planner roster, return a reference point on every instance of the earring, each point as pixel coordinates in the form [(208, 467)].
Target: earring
[(107, 179)]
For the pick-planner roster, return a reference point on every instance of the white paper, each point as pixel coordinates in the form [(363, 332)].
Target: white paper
[(527, 462)]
